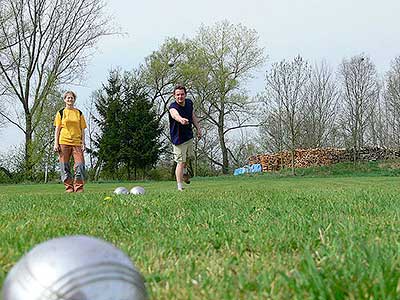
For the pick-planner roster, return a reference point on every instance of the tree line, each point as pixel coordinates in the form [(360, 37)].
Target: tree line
[(301, 105), (311, 106)]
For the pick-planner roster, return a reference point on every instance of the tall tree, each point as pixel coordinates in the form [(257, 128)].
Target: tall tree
[(129, 126), (214, 66), (108, 103), (46, 43), (271, 132), (140, 130), (92, 128), (286, 90), (43, 156), (222, 58), (320, 108), (161, 71), (359, 97), (392, 101), (4, 16)]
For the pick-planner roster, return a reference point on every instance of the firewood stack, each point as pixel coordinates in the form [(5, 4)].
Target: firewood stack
[(372, 154), (305, 158)]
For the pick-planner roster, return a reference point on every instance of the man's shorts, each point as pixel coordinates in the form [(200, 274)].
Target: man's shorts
[(183, 151)]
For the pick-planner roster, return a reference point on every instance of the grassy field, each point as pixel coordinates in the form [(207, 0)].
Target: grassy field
[(260, 237)]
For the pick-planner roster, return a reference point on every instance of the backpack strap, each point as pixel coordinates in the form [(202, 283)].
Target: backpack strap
[(61, 111)]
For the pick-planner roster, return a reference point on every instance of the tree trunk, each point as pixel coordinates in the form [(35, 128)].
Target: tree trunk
[(196, 158), (97, 170), (46, 173), (292, 153), (129, 171), (28, 147), (224, 150)]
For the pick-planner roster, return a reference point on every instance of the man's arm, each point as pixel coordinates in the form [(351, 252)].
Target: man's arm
[(196, 124), (177, 117)]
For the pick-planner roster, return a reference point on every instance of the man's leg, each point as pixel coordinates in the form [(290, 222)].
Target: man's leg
[(188, 171), (186, 174), (66, 177), (179, 174), (79, 168), (179, 157)]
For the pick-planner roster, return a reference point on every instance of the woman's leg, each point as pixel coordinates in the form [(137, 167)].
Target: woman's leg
[(66, 176), (79, 168)]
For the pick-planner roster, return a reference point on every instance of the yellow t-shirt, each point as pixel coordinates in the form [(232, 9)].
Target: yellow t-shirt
[(72, 124)]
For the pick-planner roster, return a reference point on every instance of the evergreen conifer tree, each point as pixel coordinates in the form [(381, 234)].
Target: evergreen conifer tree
[(130, 129)]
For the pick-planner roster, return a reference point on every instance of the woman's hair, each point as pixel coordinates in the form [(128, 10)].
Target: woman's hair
[(180, 87), (69, 93)]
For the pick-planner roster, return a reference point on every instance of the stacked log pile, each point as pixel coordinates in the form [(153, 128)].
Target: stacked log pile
[(304, 158), (372, 154)]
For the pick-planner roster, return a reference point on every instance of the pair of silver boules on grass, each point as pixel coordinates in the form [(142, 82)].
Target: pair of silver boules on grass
[(74, 268), (136, 190)]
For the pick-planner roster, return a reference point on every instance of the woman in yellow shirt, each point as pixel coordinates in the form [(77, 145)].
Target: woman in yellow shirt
[(69, 140)]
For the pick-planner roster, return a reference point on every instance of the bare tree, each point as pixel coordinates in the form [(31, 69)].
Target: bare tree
[(207, 150), (271, 131), (92, 129), (320, 108), (4, 17), (46, 43), (244, 147), (392, 102), (359, 97), (43, 158), (286, 87), (377, 130)]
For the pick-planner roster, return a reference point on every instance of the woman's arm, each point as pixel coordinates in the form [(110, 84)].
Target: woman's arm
[(57, 139), (83, 139)]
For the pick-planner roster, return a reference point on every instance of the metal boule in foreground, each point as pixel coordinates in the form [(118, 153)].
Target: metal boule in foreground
[(74, 268), (137, 190)]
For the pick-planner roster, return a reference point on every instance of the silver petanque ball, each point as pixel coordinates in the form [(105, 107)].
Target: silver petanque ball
[(137, 190), (171, 63), (74, 268), (121, 191)]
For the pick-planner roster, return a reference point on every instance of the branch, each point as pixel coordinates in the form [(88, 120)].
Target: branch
[(214, 161), (11, 121), (234, 158), (241, 126)]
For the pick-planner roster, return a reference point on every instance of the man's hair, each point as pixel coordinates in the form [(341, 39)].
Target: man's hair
[(69, 93), (180, 87)]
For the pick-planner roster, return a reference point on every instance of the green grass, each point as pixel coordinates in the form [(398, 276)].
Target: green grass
[(372, 168), (249, 237)]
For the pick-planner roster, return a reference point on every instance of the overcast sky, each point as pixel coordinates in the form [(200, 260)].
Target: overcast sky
[(315, 29)]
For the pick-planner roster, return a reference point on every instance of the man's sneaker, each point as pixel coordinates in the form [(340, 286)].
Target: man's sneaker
[(186, 178)]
